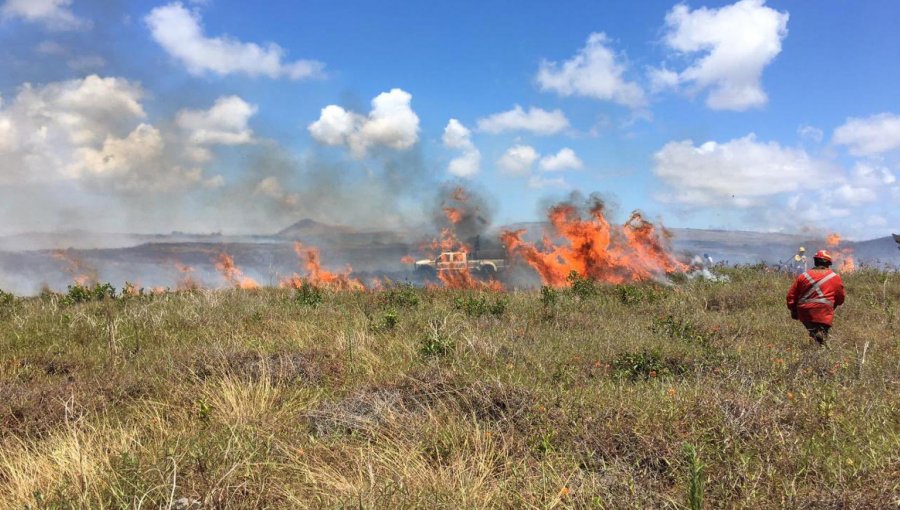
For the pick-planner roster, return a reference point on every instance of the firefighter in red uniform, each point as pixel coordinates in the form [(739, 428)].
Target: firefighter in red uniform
[(814, 296)]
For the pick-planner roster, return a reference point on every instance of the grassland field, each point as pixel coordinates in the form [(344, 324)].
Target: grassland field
[(698, 394)]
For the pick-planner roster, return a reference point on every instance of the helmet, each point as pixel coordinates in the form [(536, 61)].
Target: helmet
[(802, 249), (822, 254)]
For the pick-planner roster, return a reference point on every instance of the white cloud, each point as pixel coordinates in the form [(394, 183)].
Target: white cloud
[(91, 131), (732, 44), (870, 136), (565, 159), (467, 165), (180, 32), (53, 14), (457, 136), (853, 195), (741, 172), (391, 123), (535, 120), (47, 123), (223, 124), (872, 175), (810, 133), (593, 72), (518, 160), (119, 155)]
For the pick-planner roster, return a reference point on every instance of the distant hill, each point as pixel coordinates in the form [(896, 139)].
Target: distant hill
[(311, 228)]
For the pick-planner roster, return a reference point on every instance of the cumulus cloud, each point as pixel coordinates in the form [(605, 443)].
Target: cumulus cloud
[(53, 14), (223, 124), (535, 120), (595, 71), (740, 172), (869, 136), (730, 46), (47, 123), (180, 32), (872, 175), (518, 160), (457, 136), (565, 159), (93, 131), (391, 123)]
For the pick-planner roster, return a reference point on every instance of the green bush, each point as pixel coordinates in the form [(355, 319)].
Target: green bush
[(679, 329), (437, 342), (637, 294), (645, 365), (582, 286), (85, 293), (309, 295), (387, 322), (480, 306), (549, 296), (6, 298), (402, 296)]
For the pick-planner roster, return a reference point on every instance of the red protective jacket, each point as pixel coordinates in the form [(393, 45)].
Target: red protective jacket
[(814, 296)]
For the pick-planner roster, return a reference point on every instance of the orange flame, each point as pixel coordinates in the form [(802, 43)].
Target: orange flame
[(80, 271), (843, 257), (311, 260), (186, 281), (407, 259), (593, 249), (454, 215), (463, 279), (232, 274), (456, 276)]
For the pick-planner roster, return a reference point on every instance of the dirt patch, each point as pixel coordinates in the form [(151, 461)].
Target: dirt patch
[(305, 367), (368, 408), (34, 408)]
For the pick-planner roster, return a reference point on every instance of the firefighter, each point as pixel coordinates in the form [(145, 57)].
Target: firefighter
[(800, 261), (814, 296)]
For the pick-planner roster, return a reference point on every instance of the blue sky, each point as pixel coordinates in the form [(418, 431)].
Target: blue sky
[(153, 116)]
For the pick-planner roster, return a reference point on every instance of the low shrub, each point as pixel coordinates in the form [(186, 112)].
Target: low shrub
[(638, 294), (677, 328), (6, 298), (582, 286), (401, 296), (645, 365), (480, 306), (386, 322), (549, 296), (437, 342), (309, 295), (84, 293)]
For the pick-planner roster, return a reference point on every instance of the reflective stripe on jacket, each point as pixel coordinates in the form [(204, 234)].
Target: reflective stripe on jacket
[(815, 294)]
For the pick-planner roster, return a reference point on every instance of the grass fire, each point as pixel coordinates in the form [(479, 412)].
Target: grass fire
[(449, 255)]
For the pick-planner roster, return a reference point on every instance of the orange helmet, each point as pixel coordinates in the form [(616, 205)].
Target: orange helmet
[(822, 254)]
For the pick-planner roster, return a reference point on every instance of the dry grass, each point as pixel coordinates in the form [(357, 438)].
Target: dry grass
[(254, 400)]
